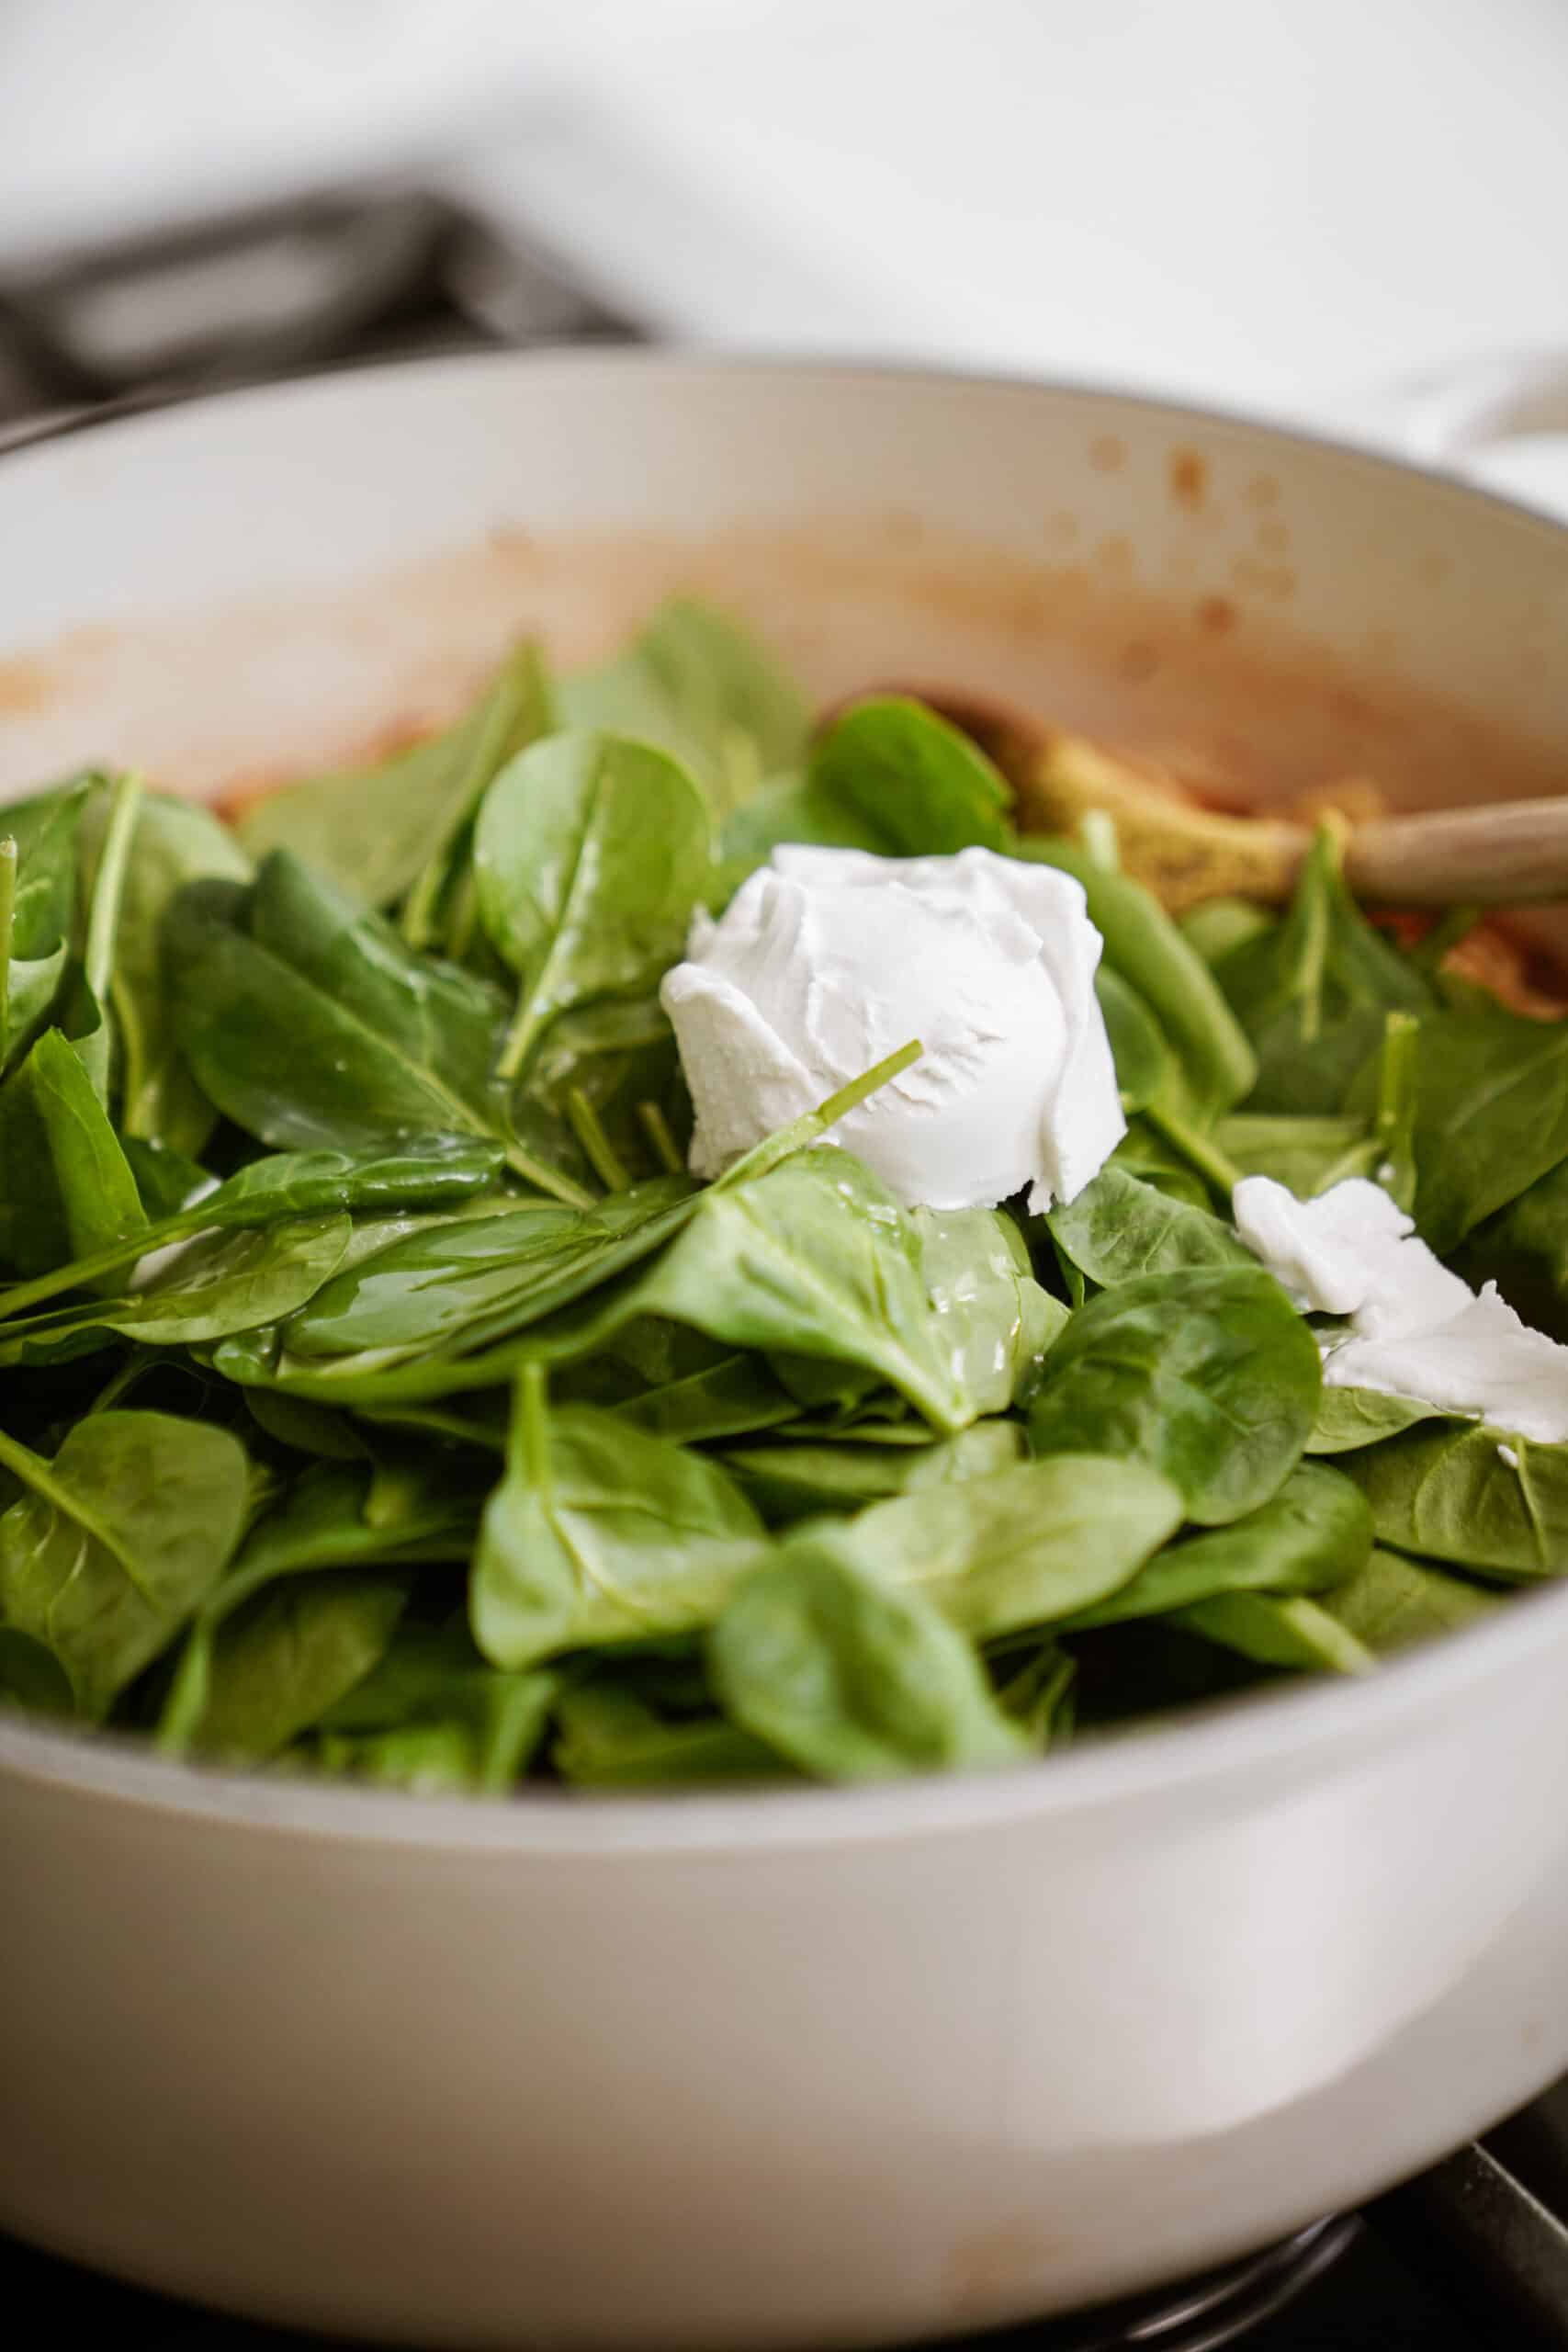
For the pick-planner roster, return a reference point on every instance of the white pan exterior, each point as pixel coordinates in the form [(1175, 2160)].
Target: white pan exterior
[(826, 2067)]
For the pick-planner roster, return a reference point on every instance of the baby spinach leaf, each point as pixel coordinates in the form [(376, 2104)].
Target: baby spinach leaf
[(277, 1666), (610, 1738), (888, 777), (312, 1430), (1491, 1117), (482, 1750), (1144, 1152), (232, 1281), (1119, 1229), (474, 1280), (729, 1398), (32, 1678), (1315, 1533), (992, 1316), (40, 879), (1208, 1375), (1470, 1494), (1280, 1632), (116, 1540), (373, 830), (589, 852), (310, 1024), (1216, 1063), (1312, 993), (212, 1287), (816, 1258), (1348, 1418), (851, 1681), (697, 684), (1038, 1693), (1394, 1602), (1024, 1547), (328, 1520), (1137, 1042), (66, 1189), (601, 1533), (1306, 1153), (789, 1481), (174, 843), (621, 1060), (165, 1179)]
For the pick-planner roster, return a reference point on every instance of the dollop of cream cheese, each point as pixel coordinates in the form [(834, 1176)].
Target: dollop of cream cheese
[(829, 960), (1415, 1328)]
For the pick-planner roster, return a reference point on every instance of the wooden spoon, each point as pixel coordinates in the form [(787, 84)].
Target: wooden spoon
[(1507, 854)]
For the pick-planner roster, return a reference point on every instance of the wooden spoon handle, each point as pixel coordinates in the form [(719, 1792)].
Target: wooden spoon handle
[(1509, 854)]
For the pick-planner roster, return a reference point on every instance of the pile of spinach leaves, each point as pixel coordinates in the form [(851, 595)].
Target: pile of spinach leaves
[(379, 1396)]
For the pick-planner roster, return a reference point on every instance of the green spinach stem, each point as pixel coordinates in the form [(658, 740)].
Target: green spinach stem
[(801, 1132), (528, 1450), (589, 1129), (656, 1126), (1197, 1150), (543, 1178)]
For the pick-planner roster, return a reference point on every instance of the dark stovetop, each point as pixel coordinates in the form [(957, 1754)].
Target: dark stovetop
[(333, 283)]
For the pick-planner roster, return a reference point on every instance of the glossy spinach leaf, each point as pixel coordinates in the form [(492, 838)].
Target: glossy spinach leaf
[(1120, 1228), (992, 1318), (591, 852), (1137, 1042), (1209, 1375), (1471, 1495), (694, 682), (1288, 1632), (1349, 1417), (611, 1736), (1144, 1153), (277, 1666), (375, 830), (849, 1680), (1313, 1534), (32, 1678), (888, 777), (66, 1188), (1313, 992), (1035, 1688), (471, 1731), (788, 1481), (816, 1257), (174, 843), (209, 1289), (310, 1024), (473, 1281), (36, 940), (1396, 1602), (116, 1542), (1026, 1546), (733, 1398), (1305, 1152), (600, 1533), (1491, 1117)]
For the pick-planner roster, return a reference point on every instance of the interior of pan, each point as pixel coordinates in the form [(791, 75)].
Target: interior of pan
[(261, 583), (247, 588)]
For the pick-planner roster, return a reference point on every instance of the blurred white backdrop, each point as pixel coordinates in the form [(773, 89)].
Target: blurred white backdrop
[(1284, 203)]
